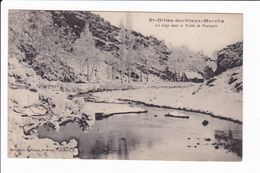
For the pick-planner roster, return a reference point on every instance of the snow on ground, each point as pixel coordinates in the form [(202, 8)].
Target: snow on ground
[(26, 113), (219, 99), (33, 102)]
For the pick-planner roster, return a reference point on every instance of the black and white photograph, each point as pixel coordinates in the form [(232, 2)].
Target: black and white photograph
[(125, 85)]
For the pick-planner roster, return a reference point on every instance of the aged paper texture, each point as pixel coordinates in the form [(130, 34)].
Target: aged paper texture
[(125, 85)]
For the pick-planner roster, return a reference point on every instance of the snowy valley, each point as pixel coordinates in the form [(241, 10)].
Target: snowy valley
[(72, 67)]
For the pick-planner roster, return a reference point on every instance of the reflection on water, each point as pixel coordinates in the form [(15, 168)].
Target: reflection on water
[(149, 137)]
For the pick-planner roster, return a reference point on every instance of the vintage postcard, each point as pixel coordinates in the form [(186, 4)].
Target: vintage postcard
[(125, 85)]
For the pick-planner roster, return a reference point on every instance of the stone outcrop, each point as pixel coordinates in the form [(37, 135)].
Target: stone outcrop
[(229, 57)]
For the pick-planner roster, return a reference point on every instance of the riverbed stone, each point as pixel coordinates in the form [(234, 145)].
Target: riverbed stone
[(205, 123)]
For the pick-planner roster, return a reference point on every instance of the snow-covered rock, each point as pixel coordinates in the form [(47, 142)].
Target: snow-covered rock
[(230, 57), (177, 114)]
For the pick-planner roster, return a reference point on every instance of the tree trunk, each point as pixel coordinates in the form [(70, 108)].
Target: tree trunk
[(129, 77), (112, 73), (122, 71), (108, 72), (147, 77), (129, 74), (141, 76), (92, 71), (88, 77), (96, 76), (121, 76)]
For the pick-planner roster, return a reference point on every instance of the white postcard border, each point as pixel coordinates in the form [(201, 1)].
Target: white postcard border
[(251, 120)]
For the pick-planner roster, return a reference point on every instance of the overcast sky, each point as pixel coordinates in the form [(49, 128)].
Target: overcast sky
[(206, 39)]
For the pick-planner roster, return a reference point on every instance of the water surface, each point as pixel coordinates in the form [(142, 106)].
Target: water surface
[(152, 136)]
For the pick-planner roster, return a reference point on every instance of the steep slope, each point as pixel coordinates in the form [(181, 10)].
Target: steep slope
[(108, 41), (226, 86), (229, 57), (37, 44), (50, 36), (223, 94)]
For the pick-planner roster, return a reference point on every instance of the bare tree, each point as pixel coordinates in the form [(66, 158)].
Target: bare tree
[(122, 54), (139, 57), (129, 45), (86, 53), (146, 58), (126, 47), (111, 65)]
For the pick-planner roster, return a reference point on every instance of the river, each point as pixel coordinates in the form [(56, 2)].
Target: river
[(153, 136)]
